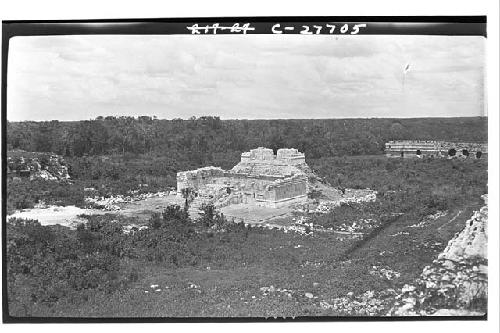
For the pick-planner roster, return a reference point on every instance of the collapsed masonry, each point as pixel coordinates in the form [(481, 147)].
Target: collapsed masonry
[(439, 149), (456, 283), (36, 166), (261, 177)]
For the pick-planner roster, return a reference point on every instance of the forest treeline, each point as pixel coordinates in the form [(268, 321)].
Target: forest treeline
[(201, 139)]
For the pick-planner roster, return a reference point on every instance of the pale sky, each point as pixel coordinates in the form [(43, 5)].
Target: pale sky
[(244, 77)]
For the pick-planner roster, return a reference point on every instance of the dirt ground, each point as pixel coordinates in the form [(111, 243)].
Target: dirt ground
[(68, 215), (143, 209)]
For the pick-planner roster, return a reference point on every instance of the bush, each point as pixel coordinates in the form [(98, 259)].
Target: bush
[(56, 264)]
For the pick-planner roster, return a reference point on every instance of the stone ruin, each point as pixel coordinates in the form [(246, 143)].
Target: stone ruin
[(438, 149), (36, 166), (456, 282), (261, 178)]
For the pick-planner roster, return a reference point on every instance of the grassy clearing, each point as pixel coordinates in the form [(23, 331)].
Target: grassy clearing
[(312, 268)]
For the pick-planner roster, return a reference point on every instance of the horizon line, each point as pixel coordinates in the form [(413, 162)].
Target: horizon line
[(247, 119)]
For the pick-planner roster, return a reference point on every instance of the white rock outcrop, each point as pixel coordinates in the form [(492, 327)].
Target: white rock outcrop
[(472, 241), (456, 283)]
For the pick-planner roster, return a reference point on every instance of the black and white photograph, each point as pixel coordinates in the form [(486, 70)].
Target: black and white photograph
[(302, 168)]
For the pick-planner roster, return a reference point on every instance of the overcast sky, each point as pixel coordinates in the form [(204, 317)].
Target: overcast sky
[(245, 77)]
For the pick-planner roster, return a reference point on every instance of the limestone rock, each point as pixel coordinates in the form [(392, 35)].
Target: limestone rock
[(455, 283)]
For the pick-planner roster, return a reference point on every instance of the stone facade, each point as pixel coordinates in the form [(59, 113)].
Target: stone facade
[(283, 156), (438, 149), (261, 178)]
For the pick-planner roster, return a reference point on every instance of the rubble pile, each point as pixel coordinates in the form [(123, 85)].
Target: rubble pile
[(43, 166), (457, 280), (429, 218), (311, 264), (303, 226), (298, 229), (111, 203), (384, 272), (366, 304), (359, 226), (302, 230), (155, 288), (213, 194), (355, 228), (350, 196)]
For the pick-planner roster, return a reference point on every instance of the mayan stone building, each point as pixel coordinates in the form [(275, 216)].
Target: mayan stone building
[(261, 178), (439, 149)]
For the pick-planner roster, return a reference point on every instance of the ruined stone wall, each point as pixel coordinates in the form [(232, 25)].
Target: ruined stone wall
[(461, 147), (419, 149), (285, 190), (248, 185), (290, 156), (284, 156), (195, 179), (289, 188), (266, 192), (260, 177), (257, 155)]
